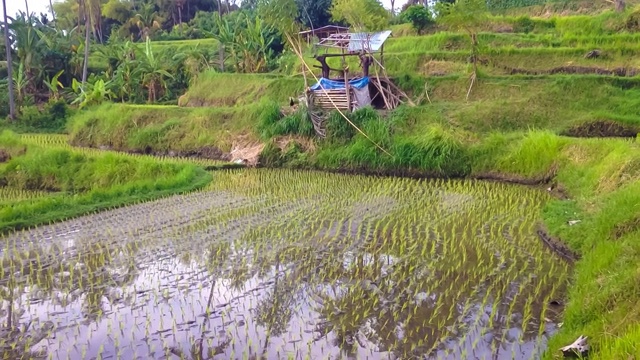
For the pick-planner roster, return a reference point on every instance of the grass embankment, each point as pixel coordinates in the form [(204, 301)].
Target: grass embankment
[(497, 107), (233, 103), (565, 7), (41, 185), (231, 90), (162, 129)]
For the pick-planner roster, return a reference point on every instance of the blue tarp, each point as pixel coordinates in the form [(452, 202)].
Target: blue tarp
[(330, 84)]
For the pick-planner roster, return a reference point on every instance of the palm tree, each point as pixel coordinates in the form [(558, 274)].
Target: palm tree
[(90, 12), (12, 102), (87, 28), (147, 20), (53, 13)]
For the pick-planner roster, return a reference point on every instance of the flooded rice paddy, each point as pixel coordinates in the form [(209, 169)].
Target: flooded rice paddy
[(289, 265)]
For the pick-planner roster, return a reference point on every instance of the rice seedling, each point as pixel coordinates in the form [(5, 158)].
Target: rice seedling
[(279, 264)]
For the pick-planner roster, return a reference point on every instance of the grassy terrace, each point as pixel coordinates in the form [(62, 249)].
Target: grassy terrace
[(46, 180)]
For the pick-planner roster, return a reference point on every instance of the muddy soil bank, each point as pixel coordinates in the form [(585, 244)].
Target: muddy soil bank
[(602, 129), (556, 245), (576, 70)]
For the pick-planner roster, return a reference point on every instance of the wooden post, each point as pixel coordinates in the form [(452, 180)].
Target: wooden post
[(346, 86)]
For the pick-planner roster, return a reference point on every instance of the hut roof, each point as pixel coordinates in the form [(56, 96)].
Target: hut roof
[(356, 42)]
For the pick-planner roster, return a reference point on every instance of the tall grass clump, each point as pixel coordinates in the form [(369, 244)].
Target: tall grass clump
[(273, 123), (436, 151), (339, 129), (537, 154), (10, 143)]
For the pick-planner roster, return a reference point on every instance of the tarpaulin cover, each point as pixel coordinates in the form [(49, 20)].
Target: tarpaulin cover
[(331, 84)]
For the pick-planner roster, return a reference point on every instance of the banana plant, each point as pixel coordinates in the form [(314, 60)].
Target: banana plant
[(152, 73), (255, 46), (227, 37), (91, 93), (54, 85), (195, 61), (20, 83)]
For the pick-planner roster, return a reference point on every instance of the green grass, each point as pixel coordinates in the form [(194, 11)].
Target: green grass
[(565, 8), (78, 184), (603, 301), (161, 129), (217, 89)]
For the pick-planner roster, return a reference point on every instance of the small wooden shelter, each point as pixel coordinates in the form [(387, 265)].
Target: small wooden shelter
[(349, 90)]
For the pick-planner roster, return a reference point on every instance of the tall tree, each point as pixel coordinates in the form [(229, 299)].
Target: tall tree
[(419, 16), (361, 14), (53, 13), (468, 16), (87, 32), (314, 13), (12, 101)]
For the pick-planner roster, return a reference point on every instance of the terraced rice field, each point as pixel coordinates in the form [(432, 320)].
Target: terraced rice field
[(282, 264)]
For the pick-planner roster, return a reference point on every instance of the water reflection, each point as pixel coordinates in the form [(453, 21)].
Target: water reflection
[(221, 275)]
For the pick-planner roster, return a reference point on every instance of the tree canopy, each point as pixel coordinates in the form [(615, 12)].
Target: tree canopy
[(367, 15), (419, 16)]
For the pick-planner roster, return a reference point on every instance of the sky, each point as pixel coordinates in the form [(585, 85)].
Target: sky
[(35, 6), (38, 6)]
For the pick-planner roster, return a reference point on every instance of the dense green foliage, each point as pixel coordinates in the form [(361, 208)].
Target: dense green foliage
[(419, 16), (366, 15)]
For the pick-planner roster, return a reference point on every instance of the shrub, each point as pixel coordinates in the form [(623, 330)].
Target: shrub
[(271, 155), (273, 124), (523, 24), (419, 16), (52, 118), (269, 115)]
